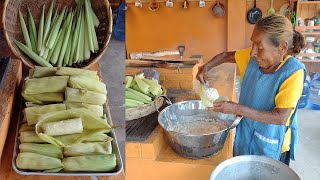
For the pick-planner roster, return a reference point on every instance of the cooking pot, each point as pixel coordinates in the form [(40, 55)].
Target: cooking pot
[(195, 145), (253, 167)]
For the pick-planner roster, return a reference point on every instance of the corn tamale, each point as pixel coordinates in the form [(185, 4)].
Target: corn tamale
[(45, 85), (33, 114), (33, 161), (43, 98), (85, 96), (96, 109), (44, 149), (30, 137), (82, 149), (83, 82), (39, 71), (67, 71)]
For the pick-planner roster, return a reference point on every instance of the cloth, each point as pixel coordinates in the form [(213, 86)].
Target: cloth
[(289, 92)]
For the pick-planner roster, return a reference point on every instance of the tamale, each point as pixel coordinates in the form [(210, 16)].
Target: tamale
[(83, 82), (44, 149), (24, 127), (96, 109), (85, 96), (69, 126), (82, 149), (86, 136), (43, 98), (33, 161), (33, 114), (30, 137), (45, 85), (67, 71), (91, 124), (94, 163), (39, 71)]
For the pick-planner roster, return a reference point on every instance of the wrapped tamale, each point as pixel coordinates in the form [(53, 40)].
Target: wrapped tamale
[(70, 126), (94, 163), (83, 82), (43, 98), (86, 136), (33, 161), (85, 96), (45, 85), (67, 71), (24, 127), (82, 149), (44, 149), (33, 114), (91, 124), (96, 109), (39, 72), (30, 137)]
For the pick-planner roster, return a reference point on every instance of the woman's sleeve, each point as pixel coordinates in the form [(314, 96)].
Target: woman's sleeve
[(242, 58), (290, 91)]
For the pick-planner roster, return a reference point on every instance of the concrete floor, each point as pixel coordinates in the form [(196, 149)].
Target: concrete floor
[(307, 164)]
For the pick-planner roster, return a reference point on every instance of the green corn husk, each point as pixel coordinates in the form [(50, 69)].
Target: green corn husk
[(155, 87), (55, 170), (58, 128), (33, 31), (85, 96), (30, 137), (67, 71), (94, 163), (24, 31), (33, 114), (82, 82), (24, 127), (132, 103), (96, 109), (82, 149), (128, 81), (144, 87), (130, 95), (39, 72), (44, 149), (86, 136), (45, 85), (139, 94), (136, 87), (40, 48), (33, 161), (31, 104), (91, 124), (43, 98)]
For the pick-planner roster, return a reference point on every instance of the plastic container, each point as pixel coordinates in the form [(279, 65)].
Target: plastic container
[(314, 96), (120, 27), (303, 101)]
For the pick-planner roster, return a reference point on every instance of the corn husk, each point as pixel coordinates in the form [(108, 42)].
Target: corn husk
[(31, 104), (91, 124), (82, 149), (39, 71), (44, 98), (33, 161), (55, 170), (67, 71), (94, 163), (96, 109), (85, 96), (86, 136), (30, 137), (24, 127), (50, 84), (44, 149), (70, 126), (33, 114), (82, 82)]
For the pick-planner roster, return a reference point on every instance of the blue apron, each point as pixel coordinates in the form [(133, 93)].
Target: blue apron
[(258, 91)]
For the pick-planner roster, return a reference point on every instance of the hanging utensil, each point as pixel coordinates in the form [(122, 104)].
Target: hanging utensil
[(271, 9), (138, 3), (169, 3), (154, 5), (254, 14), (181, 50), (202, 3), (218, 9), (185, 4)]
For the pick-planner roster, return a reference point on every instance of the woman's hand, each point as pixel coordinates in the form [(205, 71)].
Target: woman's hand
[(227, 107), (201, 75)]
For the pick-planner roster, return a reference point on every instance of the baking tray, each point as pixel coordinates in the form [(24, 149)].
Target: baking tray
[(115, 147)]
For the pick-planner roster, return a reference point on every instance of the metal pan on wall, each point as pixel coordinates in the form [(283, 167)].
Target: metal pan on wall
[(254, 14)]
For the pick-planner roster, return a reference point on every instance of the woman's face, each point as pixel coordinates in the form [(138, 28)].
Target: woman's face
[(267, 56)]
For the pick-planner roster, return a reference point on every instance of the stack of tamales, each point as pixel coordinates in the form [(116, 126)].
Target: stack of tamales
[(65, 128)]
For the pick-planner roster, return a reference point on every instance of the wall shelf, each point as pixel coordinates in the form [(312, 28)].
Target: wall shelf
[(309, 54), (308, 2), (309, 60)]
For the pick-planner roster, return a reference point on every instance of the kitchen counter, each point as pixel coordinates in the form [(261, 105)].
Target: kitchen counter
[(154, 159)]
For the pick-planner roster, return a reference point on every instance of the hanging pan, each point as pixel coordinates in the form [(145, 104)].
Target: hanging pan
[(254, 14), (218, 9)]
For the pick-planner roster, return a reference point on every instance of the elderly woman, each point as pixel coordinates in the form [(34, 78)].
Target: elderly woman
[(272, 83)]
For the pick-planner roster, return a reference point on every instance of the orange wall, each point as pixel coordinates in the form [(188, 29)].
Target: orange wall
[(196, 28)]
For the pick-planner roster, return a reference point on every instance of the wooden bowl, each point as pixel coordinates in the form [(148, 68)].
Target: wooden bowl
[(12, 28)]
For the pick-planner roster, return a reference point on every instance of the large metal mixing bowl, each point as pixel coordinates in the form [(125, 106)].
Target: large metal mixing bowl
[(195, 146), (253, 167)]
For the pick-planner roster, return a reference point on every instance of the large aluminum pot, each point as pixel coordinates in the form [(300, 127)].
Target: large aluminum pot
[(253, 167), (195, 146)]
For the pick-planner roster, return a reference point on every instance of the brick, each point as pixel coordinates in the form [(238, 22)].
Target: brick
[(186, 84), (177, 77)]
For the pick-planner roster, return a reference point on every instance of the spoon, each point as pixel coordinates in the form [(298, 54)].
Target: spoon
[(271, 9)]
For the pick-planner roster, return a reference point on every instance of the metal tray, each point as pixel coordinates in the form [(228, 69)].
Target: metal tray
[(115, 147)]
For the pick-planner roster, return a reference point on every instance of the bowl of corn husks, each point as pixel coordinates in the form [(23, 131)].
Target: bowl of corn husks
[(71, 33), (66, 127), (144, 96)]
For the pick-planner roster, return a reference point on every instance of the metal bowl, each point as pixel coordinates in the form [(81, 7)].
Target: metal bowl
[(195, 146), (253, 167)]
